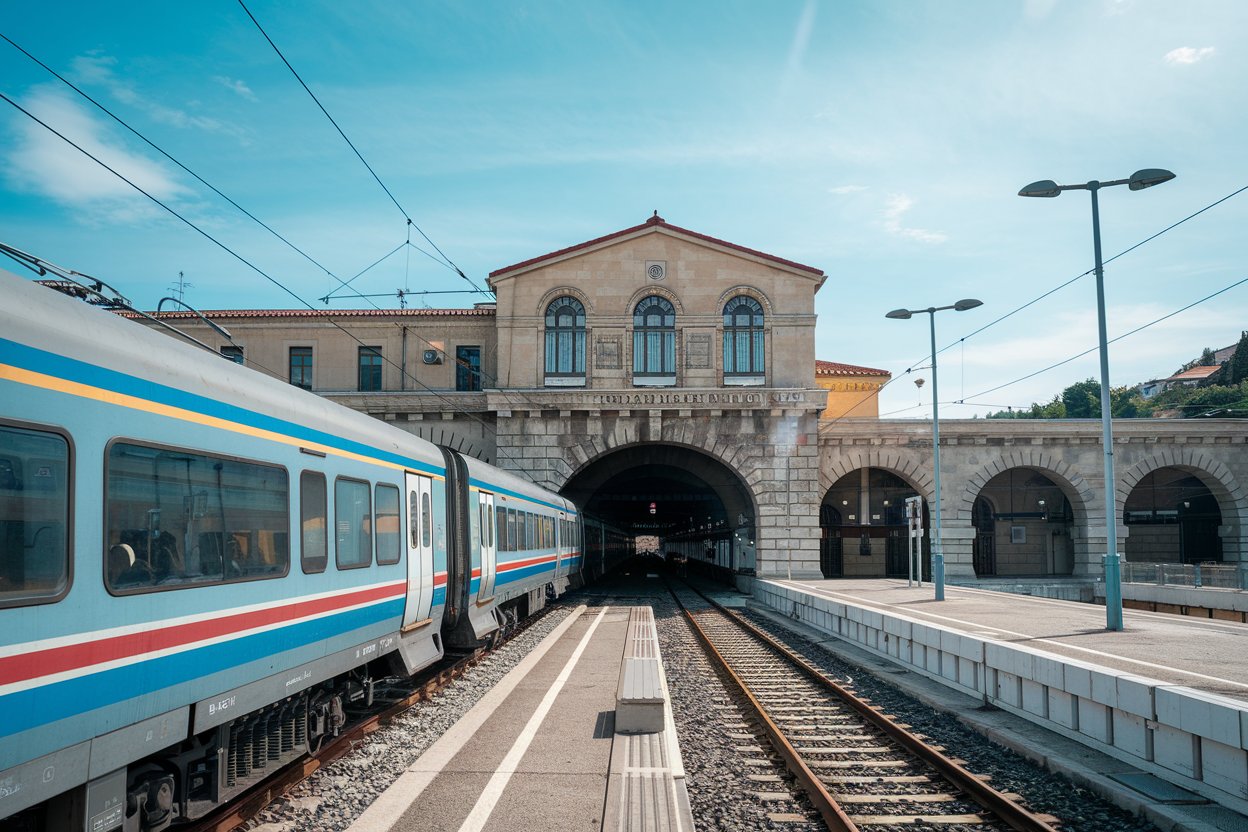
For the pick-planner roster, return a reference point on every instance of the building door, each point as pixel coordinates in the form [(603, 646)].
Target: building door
[(896, 553), (984, 555), (419, 549), (467, 368)]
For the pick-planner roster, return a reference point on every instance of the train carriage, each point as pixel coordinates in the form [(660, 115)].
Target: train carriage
[(201, 567)]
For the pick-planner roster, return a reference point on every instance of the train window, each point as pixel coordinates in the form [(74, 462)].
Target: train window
[(353, 522), (526, 524), (389, 529), (426, 520), (177, 518), (413, 530), (313, 522), (34, 517), (500, 525), (513, 536)]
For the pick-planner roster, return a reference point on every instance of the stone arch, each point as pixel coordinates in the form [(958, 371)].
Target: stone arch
[(906, 466), (748, 291), (1064, 476), (561, 291), (647, 291), (1217, 477), (736, 457)]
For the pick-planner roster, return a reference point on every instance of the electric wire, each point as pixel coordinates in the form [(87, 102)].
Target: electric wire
[(342, 283), (446, 261), (498, 448), (1041, 297), (1078, 277), (1111, 340)]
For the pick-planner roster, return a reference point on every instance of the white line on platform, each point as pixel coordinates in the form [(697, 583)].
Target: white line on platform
[(391, 804), (1033, 638), (493, 790)]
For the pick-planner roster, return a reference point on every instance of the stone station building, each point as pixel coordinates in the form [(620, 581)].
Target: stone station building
[(666, 380)]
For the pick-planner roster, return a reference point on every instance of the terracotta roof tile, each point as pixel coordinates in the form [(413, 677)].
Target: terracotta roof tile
[(656, 220), (833, 368), (1195, 373), (487, 312)]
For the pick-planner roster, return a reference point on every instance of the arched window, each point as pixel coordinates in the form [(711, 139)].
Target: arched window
[(743, 341), (654, 341), (565, 341)]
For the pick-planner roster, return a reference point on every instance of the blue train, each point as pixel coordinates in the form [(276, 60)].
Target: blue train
[(202, 568)]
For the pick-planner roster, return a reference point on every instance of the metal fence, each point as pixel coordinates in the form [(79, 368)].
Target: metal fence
[(1206, 575)]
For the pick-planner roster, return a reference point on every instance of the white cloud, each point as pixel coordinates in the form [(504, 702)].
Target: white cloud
[(847, 189), (897, 206), (1038, 9), (237, 86), (98, 70), (42, 163), (1189, 54), (797, 49)]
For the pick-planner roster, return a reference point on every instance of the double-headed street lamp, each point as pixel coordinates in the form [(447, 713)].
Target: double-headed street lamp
[(938, 554), (1048, 188)]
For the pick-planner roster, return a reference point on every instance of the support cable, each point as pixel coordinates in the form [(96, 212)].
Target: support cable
[(445, 260), (258, 271)]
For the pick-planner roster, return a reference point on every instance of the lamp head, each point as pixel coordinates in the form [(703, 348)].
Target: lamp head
[(1045, 187), (900, 314), (1149, 177), (967, 303)]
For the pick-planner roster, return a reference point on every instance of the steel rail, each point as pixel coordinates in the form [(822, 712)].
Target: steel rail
[(833, 816), (1006, 810)]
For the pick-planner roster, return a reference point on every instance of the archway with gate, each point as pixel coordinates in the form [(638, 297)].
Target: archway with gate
[(863, 528)]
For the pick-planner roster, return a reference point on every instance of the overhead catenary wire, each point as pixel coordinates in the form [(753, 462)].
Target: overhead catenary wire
[(342, 283), (1114, 340), (489, 428), (445, 260), (867, 397)]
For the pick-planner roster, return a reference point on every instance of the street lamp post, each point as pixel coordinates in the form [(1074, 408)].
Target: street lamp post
[(1048, 188), (938, 550)]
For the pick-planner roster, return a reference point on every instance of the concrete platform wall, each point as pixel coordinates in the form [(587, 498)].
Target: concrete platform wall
[(1195, 739)]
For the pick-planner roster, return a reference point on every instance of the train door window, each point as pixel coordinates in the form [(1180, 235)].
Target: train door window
[(389, 529), (353, 523), (426, 520), (176, 518), (313, 521), (413, 510), (34, 516)]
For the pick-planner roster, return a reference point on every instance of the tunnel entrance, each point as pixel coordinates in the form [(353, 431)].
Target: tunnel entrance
[(696, 506)]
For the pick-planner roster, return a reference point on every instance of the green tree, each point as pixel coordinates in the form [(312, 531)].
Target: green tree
[(1083, 400), (1236, 370)]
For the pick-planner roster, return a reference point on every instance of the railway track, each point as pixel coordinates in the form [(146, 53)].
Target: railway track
[(399, 697), (860, 769)]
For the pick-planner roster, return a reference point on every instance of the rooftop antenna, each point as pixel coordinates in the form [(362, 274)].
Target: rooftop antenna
[(179, 288)]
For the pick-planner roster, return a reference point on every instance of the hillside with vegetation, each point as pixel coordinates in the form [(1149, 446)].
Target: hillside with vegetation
[(1223, 394)]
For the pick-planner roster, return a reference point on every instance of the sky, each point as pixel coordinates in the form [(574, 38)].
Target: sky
[(883, 142)]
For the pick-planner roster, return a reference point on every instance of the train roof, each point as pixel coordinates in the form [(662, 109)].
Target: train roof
[(42, 318)]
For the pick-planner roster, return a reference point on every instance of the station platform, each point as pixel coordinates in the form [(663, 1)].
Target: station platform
[(1168, 694), (540, 750)]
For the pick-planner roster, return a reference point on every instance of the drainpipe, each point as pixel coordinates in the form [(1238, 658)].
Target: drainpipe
[(403, 362)]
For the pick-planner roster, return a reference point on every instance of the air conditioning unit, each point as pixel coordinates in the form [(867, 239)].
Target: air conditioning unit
[(433, 357)]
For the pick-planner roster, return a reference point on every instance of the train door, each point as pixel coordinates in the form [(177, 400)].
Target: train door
[(489, 545), (562, 552), (419, 549)]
